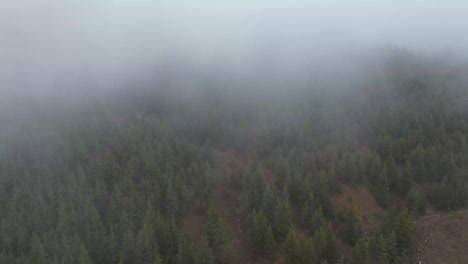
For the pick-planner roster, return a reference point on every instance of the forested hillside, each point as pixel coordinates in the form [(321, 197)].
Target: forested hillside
[(156, 174)]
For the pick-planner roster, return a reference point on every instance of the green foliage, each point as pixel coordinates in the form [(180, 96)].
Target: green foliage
[(290, 248), (398, 234), (450, 194), (326, 246), (318, 220), (415, 203), (185, 251), (352, 229), (215, 232), (260, 236), (332, 251), (360, 254), (123, 180), (383, 191), (306, 251), (37, 254), (378, 249), (269, 204), (282, 220), (205, 255)]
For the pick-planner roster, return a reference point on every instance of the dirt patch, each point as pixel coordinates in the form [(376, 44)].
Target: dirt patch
[(363, 201), (227, 202), (442, 238), (426, 188), (195, 225)]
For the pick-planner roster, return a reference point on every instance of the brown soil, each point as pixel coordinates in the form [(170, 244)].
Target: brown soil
[(363, 201), (195, 225), (442, 238)]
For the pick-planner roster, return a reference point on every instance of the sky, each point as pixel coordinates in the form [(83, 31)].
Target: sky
[(63, 46)]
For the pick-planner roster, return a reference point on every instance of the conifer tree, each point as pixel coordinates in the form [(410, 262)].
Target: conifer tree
[(383, 191), (282, 221), (205, 255), (360, 253), (37, 254), (352, 230), (215, 232), (290, 248)]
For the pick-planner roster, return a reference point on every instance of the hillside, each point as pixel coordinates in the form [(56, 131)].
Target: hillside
[(442, 237), (306, 175)]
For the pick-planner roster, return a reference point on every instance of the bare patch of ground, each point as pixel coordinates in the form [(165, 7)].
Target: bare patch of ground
[(363, 201), (442, 238)]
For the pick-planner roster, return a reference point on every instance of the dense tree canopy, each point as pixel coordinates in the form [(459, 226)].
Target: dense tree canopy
[(153, 177)]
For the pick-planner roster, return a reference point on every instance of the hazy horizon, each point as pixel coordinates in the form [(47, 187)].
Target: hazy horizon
[(84, 47)]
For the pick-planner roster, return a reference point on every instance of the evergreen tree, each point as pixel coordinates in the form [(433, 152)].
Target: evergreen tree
[(68, 257), (333, 255), (158, 260), (282, 220), (320, 242), (383, 191), (269, 204), (318, 220), (205, 255), (260, 236), (83, 257), (306, 251), (360, 253), (37, 254), (215, 229), (269, 249), (378, 249), (290, 248), (415, 203), (352, 230), (185, 252)]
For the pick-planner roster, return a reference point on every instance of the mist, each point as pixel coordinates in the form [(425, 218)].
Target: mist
[(264, 131), (65, 48)]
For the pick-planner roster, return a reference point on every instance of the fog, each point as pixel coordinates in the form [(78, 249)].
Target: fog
[(61, 50)]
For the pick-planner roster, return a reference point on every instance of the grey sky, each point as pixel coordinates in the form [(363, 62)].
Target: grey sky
[(44, 42)]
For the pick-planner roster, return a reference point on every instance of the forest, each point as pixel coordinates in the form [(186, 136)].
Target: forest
[(159, 174)]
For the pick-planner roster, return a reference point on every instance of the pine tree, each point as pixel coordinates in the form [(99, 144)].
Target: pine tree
[(112, 248), (269, 248), (415, 203), (68, 257), (128, 247), (418, 164), (260, 236), (320, 242), (383, 191), (360, 253), (158, 260), (405, 232), (405, 182), (290, 248), (306, 251), (306, 215), (282, 221), (269, 204), (146, 244), (205, 255), (37, 253), (352, 230), (164, 235), (378, 249), (83, 257), (318, 220), (185, 252), (215, 229), (333, 255)]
